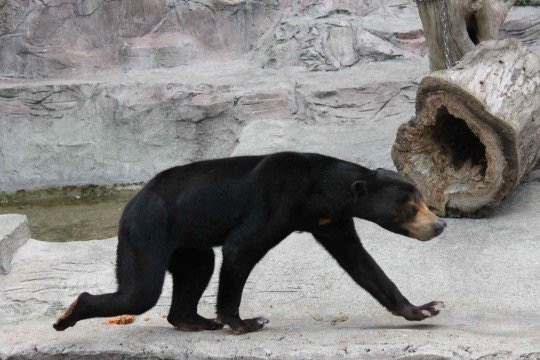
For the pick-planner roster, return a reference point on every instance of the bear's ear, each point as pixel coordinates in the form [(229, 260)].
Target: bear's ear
[(359, 188)]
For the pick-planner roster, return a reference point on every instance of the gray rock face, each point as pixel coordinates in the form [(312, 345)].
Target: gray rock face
[(339, 38), (47, 38), (109, 92), (52, 38), (14, 232), (125, 129), (327, 43)]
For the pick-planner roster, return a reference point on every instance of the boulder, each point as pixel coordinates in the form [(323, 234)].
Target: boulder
[(14, 232)]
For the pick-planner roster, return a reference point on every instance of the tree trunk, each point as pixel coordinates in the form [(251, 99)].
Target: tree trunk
[(468, 22), (476, 132)]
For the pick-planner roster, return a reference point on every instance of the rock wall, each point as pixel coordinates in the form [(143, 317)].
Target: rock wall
[(121, 132), (51, 37), (127, 130), (47, 38), (112, 91)]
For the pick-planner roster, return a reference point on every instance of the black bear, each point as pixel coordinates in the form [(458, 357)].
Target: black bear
[(248, 205)]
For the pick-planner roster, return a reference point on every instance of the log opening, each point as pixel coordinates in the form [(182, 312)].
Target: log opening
[(453, 139), (472, 28), (451, 155)]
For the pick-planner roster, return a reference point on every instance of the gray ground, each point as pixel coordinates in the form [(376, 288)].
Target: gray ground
[(487, 271)]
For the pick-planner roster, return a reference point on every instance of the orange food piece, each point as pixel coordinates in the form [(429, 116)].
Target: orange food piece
[(120, 320)]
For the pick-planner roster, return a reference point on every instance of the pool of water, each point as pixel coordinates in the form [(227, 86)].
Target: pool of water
[(71, 219)]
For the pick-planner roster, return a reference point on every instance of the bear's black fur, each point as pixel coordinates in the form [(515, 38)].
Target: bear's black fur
[(248, 205)]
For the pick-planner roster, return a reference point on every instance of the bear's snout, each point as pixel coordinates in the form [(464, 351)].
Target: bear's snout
[(439, 226), (425, 225)]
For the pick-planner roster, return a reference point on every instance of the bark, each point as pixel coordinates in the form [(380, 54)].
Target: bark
[(469, 23), (476, 132)]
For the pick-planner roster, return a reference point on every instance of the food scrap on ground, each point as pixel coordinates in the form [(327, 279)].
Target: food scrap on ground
[(120, 320)]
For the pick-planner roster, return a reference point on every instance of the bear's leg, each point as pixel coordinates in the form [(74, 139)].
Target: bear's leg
[(191, 271), (241, 252), (140, 276), (342, 242)]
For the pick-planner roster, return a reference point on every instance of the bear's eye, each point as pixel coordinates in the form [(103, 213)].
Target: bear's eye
[(412, 211)]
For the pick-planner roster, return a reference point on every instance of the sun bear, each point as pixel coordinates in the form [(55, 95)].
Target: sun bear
[(247, 205)]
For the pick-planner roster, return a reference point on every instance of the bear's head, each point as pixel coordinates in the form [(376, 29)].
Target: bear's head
[(394, 203)]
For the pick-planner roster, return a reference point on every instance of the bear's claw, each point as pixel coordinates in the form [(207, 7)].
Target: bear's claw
[(244, 326), (418, 313)]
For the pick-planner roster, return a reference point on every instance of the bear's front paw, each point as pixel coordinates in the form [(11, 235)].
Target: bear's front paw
[(417, 313)]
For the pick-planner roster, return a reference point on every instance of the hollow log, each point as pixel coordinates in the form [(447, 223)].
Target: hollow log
[(468, 23), (476, 132)]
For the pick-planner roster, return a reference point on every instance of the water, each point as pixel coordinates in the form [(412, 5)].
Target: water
[(71, 219)]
